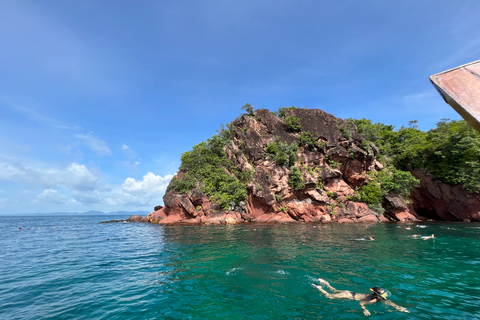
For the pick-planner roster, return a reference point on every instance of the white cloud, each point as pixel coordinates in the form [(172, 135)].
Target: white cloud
[(88, 197), (150, 182), (51, 196), (76, 176), (75, 185), (34, 116), (95, 144), (145, 192), (128, 152), (132, 162), (9, 170)]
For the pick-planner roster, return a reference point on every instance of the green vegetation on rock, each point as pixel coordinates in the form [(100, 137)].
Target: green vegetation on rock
[(306, 139), (281, 111), (248, 108), (295, 179), (371, 194), (293, 124), (394, 181), (282, 153), (450, 152), (207, 166)]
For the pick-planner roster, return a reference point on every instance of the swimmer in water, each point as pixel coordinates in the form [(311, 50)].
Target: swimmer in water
[(378, 294), (429, 237)]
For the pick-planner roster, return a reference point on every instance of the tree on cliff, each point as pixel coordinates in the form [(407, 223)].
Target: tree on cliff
[(219, 176), (450, 152), (207, 167), (248, 108)]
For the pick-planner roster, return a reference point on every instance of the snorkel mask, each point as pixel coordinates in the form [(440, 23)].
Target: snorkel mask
[(379, 292)]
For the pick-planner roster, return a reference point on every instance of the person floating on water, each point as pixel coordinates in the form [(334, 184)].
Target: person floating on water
[(424, 237), (378, 294)]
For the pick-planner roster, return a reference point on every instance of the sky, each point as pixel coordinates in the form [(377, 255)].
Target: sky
[(99, 99)]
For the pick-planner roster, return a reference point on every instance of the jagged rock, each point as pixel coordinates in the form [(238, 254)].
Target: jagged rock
[(135, 218), (330, 173), (116, 221), (155, 216), (338, 186), (368, 218), (435, 199), (358, 209), (354, 172), (306, 210), (187, 205), (317, 196)]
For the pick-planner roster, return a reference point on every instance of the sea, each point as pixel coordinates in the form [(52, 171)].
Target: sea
[(74, 267)]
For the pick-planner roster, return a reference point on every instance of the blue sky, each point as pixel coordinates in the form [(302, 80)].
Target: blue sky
[(98, 99)]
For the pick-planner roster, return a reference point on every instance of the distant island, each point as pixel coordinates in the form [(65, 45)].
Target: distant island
[(300, 164), (88, 213)]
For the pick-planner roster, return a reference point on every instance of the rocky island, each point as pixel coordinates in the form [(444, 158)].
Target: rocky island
[(305, 165)]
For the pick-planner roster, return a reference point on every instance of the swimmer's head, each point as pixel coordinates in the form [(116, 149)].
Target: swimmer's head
[(379, 292)]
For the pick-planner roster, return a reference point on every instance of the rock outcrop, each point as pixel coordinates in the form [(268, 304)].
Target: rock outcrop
[(440, 201), (331, 171)]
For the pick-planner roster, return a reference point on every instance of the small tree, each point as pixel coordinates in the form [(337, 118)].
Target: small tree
[(371, 194), (281, 111), (248, 108), (295, 179), (293, 124)]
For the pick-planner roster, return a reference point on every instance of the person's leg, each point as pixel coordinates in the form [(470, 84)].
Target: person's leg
[(327, 284), (337, 295)]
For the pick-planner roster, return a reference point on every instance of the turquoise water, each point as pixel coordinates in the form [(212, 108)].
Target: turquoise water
[(81, 269)]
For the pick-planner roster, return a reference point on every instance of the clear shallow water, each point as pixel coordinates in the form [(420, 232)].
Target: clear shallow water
[(71, 271)]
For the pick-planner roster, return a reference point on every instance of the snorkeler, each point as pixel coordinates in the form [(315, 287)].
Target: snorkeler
[(378, 294), (428, 237)]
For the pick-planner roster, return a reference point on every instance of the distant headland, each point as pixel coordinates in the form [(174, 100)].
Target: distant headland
[(88, 213)]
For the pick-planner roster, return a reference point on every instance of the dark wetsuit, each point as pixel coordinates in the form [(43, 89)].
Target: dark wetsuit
[(368, 298)]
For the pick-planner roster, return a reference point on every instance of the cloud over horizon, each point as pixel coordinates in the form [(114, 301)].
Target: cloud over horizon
[(78, 186), (95, 144), (100, 112)]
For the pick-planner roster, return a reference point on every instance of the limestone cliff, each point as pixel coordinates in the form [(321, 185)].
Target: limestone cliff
[(332, 161)]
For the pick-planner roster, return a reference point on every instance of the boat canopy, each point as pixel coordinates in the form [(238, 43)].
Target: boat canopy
[(460, 88)]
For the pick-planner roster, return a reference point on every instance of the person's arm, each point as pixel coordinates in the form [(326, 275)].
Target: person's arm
[(399, 308), (365, 311)]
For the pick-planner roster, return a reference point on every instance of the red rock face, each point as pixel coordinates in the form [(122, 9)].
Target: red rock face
[(136, 218), (330, 174), (453, 203)]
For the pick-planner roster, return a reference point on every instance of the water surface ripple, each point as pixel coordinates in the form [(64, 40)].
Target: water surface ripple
[(76, 268)]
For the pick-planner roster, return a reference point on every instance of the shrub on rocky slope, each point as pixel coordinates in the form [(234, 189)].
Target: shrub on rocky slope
[(295, 164)]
